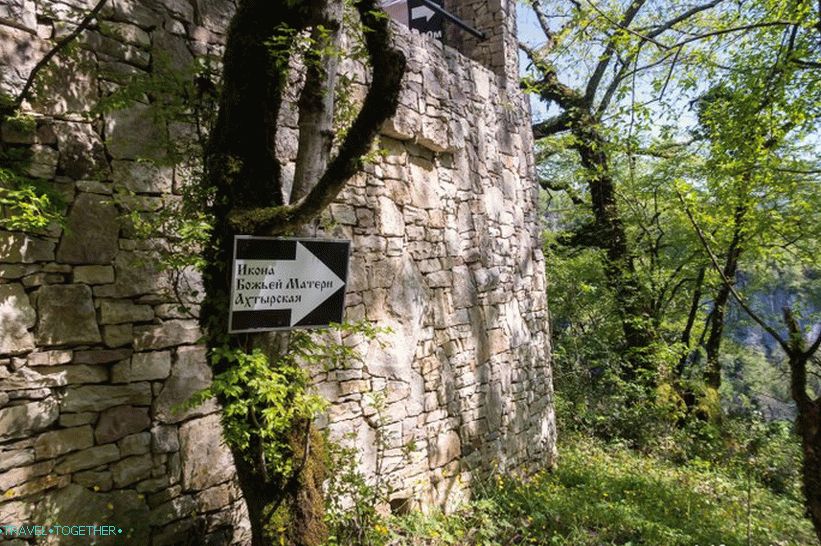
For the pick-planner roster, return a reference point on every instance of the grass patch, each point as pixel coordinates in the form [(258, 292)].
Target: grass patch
[(603, 495)]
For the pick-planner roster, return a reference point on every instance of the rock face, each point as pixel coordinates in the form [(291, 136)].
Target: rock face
[(58, 442), (91, 231), (100, 346), (119, 422), (20, 248), (101, 397), (67, 315), (142, 367), (205, 463), (16, 318), (126, 510), (133, 133), (188, 375), (22, 420), (81, 156)]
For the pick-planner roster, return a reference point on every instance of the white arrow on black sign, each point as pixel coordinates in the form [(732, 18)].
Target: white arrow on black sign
[(422, 11), (287, 283), (424, 18)]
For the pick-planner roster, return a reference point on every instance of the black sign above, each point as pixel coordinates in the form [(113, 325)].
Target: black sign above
[(281, 284), (425, 19)]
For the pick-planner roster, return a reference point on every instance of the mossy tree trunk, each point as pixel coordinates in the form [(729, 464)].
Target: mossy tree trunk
[(607, 231), (809, 428), (582, 118), (246, 177), (808, 421), (634, 302)]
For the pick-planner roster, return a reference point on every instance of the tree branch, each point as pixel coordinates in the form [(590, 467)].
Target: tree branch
[(657, 30), (593, 84), (650, 37), (666, 285), (613, 87), (807, 64), (753, 315), (552, 185), (642, 37), (550, 89), (540, 17), (84, 24), (551, 126), (798, 365), (531, 54), (731, 30), (666, 151), (316, 102), (814, 347), (388, 67)]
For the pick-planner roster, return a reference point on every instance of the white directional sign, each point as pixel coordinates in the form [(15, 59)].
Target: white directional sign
[(287, 283)]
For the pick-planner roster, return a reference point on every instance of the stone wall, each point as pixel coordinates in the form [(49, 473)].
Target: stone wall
[(499, 49), (96, 351)]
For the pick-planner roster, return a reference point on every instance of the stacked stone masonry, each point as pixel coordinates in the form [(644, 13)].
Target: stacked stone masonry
[(97, 352)]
